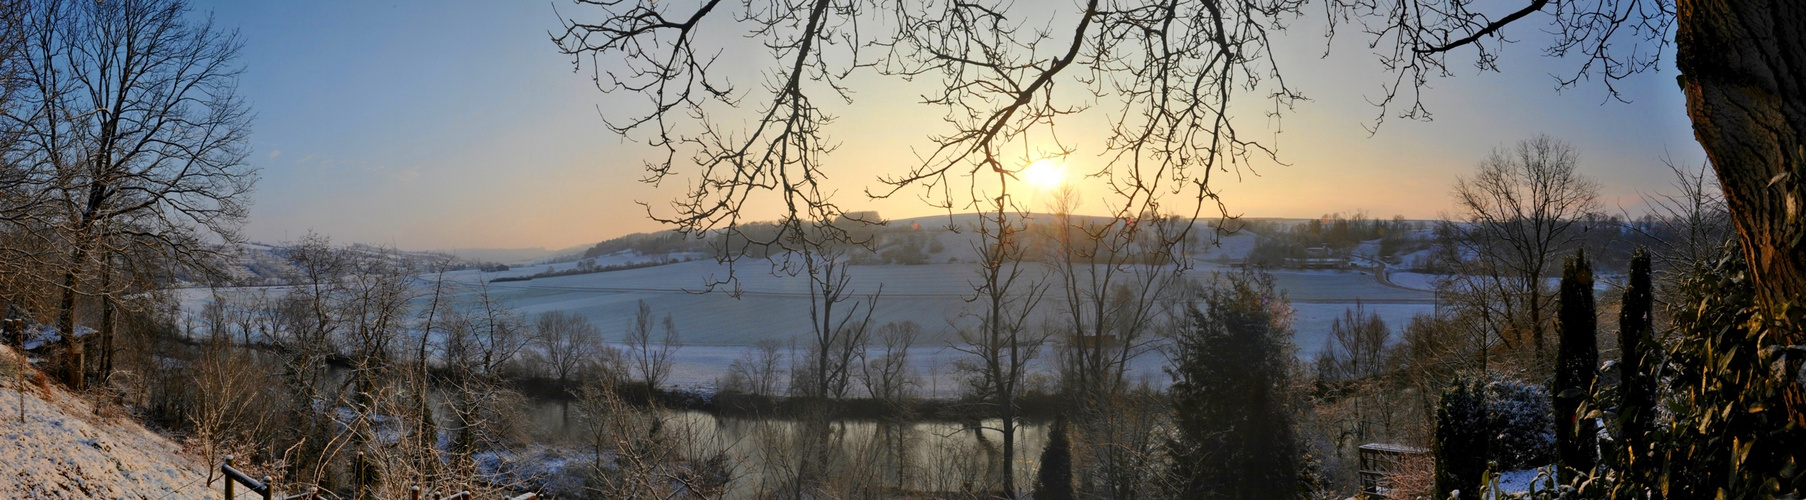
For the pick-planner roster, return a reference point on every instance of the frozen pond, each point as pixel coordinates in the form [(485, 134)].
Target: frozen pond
[(919, 456)]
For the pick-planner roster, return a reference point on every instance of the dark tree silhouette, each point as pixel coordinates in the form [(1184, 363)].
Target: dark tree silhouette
[(1231, 366), (1462, 439), (1636, 365), (1054, 480), (1521, 208), (1171, 72), (1575, 365)]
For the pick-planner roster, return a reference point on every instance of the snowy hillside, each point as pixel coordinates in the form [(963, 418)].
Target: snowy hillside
[(56, 446)]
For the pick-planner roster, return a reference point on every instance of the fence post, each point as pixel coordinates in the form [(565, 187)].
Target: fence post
[(414, 492), (229, 481), (357, 474), (269, 488)]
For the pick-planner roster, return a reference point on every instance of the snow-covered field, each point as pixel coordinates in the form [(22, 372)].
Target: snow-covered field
[(1415, 281), (717, 327)]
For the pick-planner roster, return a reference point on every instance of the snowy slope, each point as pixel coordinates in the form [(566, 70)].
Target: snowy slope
[(63, 450)]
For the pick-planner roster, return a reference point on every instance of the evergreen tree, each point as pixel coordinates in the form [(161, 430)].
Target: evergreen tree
[(1575, 435), (1231, 366), (1054, 480), (1462, 439), (1637, 391)]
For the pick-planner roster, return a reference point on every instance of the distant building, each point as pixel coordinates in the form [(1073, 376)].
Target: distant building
[(1319, 257)]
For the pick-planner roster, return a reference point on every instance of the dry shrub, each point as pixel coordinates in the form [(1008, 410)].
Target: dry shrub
[(1414, 479), (227, 393)]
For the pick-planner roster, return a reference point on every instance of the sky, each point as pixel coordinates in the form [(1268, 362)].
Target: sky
[(456, 124)]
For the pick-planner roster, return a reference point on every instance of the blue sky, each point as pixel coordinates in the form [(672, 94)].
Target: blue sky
[(456, 124)]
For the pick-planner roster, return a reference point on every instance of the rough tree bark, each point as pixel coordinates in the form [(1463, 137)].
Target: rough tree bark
[(1743, 70)]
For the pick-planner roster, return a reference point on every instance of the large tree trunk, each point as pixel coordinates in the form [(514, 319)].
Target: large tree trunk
[(1743, 69), (73, 357), (106, 325), (72, 347)]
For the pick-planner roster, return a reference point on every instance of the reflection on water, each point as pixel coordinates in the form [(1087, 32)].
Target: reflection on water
[(918, 456)]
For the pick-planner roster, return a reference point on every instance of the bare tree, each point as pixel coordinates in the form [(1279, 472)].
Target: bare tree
[(1522, 209), (567, 340), (227, 385), (997, 335), (646, 452), (757, 371), (651, 359), (887, 377), (24, 245), (1746, 109), (1691, 223), (1356, 347), (1170, 71), (838, 339), (483, 336), (133, 136), (1114, 277)]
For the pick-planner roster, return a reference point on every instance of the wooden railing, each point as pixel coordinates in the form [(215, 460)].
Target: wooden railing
[(266, 490)]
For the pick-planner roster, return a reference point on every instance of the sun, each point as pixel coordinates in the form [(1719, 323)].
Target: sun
[(1046, 173)]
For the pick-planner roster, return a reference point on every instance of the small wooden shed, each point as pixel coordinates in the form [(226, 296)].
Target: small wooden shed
[(1380, 462)]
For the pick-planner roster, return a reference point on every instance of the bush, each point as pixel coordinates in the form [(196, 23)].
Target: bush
[(1461, 439), (1499, 422), (1523, 432), (1730, 430)]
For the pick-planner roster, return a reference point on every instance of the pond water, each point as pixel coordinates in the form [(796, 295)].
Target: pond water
[(917, 456)]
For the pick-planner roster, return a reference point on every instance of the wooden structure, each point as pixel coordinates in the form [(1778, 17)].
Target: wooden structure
[(265, 490), (1380, 462)]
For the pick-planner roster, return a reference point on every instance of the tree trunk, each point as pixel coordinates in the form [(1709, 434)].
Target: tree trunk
[(106, 328), (72, 353), (73, 356), (1536, 314), (1743, 69), (1009, 452)]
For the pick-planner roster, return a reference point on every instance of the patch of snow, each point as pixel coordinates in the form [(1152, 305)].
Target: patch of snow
[(1519, 482), (61, 450), (38, 336)]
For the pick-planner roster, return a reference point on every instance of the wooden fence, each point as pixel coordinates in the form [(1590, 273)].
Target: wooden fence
[(266, 490)]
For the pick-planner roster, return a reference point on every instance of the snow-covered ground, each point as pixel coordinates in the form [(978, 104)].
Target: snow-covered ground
[(1232, 246), (718, 328), (1415, 281), (1517, 482), (61, 449)]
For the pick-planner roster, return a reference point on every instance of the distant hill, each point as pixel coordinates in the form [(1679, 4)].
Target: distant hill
[(254, 263), (505, 255)]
